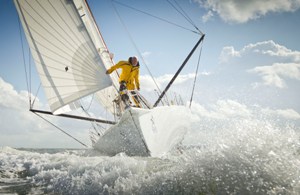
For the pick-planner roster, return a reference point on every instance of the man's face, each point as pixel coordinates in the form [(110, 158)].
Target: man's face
[(134, 61)]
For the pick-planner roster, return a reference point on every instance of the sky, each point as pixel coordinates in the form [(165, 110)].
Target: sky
[(250, 59)]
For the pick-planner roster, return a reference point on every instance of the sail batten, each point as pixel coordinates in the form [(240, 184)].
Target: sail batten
[(65, 56)]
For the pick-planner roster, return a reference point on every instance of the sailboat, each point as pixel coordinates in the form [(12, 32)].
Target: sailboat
[(71, 59)]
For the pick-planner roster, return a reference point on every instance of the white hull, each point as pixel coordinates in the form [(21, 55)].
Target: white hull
[(142, 132)]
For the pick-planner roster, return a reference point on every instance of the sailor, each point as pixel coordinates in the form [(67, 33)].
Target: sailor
[(129, 78)]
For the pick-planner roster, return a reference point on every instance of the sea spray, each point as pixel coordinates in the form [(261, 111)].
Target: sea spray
[(246, 154)]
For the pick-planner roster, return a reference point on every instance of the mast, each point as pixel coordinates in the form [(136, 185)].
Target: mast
[(178, 71)]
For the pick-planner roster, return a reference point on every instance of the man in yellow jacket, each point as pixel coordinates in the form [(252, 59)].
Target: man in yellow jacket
[(129, 78)]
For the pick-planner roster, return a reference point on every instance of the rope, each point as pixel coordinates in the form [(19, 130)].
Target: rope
[(61, 130), (195, 76)]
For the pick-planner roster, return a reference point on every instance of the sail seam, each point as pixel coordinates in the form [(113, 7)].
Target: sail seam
[(52, 27), (63, 41)]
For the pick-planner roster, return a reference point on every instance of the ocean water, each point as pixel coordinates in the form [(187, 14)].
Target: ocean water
[(238, 155)]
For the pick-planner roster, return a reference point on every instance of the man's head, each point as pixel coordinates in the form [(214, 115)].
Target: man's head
[(133, 60)]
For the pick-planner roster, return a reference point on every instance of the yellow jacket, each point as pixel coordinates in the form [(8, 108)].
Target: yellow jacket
[(129, 74)]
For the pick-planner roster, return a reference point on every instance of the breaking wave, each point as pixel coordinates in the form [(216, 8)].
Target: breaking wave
[(218, 156)]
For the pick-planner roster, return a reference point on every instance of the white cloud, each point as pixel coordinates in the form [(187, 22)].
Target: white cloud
[(10, 98), (270, 48), (228, 53), (229, 109), (275, 74), (207, 16), (14, 112), (222, 110), (274, 63), (264, 48), (149, 85), (287, 113), (21, 128), (236, 11), (145, 56)]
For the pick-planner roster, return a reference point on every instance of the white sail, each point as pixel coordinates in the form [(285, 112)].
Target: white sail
[(67, 61), (105, 96)]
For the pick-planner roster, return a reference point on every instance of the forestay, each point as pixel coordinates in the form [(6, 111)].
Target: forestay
[(66, 58)]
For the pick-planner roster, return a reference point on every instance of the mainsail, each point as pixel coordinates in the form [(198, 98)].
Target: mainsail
[(68, 63)]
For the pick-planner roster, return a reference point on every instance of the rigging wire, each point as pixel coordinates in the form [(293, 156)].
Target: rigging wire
[(24, 63), (94, 124), (61, 130), (184, 14), (91, 102), (30, 86), (88, 114), (181, 11), (31, 105), (159, 18), (194, 84), (135, 46)]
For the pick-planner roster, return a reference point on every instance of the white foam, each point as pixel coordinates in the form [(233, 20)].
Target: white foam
[(220, 156)]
